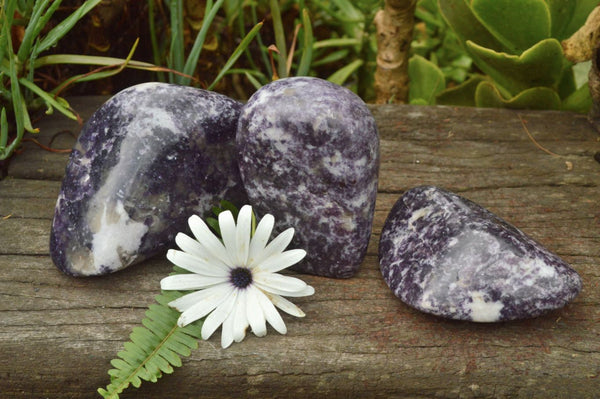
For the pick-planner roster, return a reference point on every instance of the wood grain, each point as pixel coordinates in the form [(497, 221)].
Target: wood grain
[(58, 334)]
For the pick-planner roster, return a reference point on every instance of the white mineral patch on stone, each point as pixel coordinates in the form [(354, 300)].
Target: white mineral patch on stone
[(421, 213), (115, 234), (483, 311)]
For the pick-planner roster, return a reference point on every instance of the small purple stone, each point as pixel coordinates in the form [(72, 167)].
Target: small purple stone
[(445, 255), (150, 157), (309, 155)]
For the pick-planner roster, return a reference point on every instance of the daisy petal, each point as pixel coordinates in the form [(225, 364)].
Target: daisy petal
[(207, 239), (286, 305), (276, 246), (242, 235), (189, 245), (260, 238), (308, 290), (240, 321), (279, 282), (282, 260), (199, 310), (193, 247), (271, 314), (254, 313), (228, 234), (196, 264), (185, 302), (218, 316), (227, 330), (185, 282)]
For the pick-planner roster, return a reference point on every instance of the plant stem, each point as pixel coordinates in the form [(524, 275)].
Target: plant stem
[(394, 34)]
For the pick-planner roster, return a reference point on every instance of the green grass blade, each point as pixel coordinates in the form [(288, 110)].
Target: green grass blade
[(154, 40), (26, 119), (192, 60), (279, 38), (336, 42), (332, 57), (57, 103), (66, 25), (306, 59), (3, 131), (6, 16), (257, 79), (236, 53), (340, 76), (264, 54), (17, 99), (33, 28), (176, 53), (89, 60)]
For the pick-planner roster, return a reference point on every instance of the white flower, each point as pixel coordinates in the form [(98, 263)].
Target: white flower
[(236, 278)]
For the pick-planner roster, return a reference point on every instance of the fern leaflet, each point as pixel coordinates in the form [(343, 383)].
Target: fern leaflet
[(153, 349)]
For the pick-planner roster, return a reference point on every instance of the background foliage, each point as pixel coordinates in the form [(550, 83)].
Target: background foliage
[(487, 53)]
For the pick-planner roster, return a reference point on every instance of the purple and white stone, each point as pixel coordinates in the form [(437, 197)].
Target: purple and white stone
[(309, 155), (445, 255), (150, 157)]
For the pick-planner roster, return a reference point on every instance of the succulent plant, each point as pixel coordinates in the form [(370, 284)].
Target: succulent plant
[(516, 44)]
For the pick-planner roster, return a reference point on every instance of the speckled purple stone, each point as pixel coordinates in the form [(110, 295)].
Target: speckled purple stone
[(309, 155), (448, 256), (150, 157)]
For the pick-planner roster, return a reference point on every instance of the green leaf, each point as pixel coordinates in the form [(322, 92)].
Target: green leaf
[(426, 80), (52, 102), (34, 27), (487, 95), (307, 46), (66, 25), (176, 51), (3, 131), (517, 24), (342, 74), (463, 94), (541, 65), (579, 101), (254, 81), (466, 25), (336, 42), (561, 13), (239, 50), (279, 38), (331, 57), (54, 59), (192, 60), (570, 15), (153, 349)]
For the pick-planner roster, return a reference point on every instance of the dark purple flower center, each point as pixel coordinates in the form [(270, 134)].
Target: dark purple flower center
[(241, 277)]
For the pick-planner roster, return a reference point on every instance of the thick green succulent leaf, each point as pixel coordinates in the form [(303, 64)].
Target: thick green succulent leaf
[(487, 95), (463, 94), (517, 24), (579, 101), (466, 26), (426, 80), (569, 15), (561, 14), (541, 65)]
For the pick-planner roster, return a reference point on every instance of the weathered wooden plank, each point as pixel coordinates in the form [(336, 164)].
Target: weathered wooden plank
[(57, 132), (57, 333)]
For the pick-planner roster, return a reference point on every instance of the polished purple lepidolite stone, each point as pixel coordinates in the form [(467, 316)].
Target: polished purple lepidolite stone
[(150, 157), (309, 155), (445, 255)]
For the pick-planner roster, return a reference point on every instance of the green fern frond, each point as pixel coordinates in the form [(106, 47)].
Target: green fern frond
[(153, 349)]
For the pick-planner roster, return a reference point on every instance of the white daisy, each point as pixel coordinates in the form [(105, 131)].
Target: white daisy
[(236, 277)]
